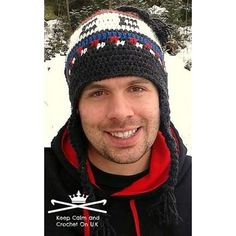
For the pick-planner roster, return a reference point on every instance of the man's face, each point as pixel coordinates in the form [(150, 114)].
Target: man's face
[(120, 117)]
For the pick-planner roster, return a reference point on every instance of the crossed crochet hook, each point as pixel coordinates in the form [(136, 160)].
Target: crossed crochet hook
[(73, 206)]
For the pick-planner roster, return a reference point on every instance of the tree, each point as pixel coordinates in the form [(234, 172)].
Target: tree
[(71, 12)]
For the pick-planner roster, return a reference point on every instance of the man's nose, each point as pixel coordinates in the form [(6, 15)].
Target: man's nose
[(119, 108)]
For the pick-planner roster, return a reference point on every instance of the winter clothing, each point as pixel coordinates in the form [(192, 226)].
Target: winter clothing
[(113, 43), (130, 199), (122, 42)]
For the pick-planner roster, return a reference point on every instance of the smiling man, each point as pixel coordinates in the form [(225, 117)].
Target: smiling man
[(120, 117), (118, 147)]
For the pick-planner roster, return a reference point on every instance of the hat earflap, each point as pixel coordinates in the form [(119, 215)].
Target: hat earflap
[(79, 143)]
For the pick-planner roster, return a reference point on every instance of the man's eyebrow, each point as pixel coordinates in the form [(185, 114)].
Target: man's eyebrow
[(98, 85), (94, 85), (139, 81)]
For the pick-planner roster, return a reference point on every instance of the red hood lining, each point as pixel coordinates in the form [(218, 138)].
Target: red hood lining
[(158, 171)]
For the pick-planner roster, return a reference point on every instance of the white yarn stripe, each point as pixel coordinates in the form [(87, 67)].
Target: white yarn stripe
[(111, 21)]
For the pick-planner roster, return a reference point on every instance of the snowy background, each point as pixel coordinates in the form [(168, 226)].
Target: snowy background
[(57, 105)]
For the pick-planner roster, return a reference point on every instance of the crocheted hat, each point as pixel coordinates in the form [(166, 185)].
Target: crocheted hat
[(113, 43), (122, 42)]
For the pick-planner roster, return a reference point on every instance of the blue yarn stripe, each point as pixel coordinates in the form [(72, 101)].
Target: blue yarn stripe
[(103, 36)]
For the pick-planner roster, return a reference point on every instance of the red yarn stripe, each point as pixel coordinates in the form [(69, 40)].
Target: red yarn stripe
[(114, 39)]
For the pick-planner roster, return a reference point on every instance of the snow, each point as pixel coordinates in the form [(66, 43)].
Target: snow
[(57, 105), (56, 98), (157, 10), (48, 29), (180, 95)]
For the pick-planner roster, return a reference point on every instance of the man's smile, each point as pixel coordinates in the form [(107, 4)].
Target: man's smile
[(124, 134)]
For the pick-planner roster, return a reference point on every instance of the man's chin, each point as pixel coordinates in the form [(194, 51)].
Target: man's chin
[(124, 157)]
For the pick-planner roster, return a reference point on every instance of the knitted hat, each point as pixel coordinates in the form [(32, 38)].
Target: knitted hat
[(122, 42), (113, 43)]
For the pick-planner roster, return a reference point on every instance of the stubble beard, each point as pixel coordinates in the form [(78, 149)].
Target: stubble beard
[(128, 155), (123, 156)]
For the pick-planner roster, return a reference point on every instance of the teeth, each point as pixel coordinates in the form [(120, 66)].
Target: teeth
[(125, 134)]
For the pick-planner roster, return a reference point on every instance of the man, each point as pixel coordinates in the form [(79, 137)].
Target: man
[(118, 166)]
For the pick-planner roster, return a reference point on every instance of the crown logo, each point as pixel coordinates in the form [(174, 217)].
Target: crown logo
[(78, 197)]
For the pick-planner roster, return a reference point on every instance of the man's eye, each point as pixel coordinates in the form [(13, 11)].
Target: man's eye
[(97, 93), (136, 89)]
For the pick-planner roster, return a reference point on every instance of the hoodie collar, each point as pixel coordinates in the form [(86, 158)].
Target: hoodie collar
[(158, 169)]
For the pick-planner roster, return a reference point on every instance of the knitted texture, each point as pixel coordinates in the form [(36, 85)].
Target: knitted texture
[(113, 43)]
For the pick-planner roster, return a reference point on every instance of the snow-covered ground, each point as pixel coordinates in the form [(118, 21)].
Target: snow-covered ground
[(180, 92), (56, 98)]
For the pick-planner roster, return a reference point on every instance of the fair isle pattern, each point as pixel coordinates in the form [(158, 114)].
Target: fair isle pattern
[(112, 21), (112, 27), (100, 40)]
